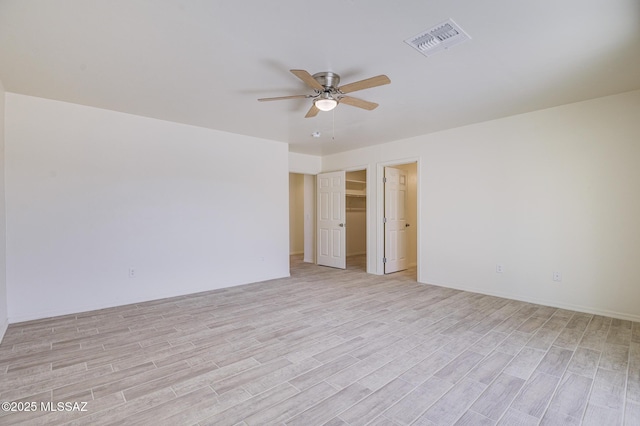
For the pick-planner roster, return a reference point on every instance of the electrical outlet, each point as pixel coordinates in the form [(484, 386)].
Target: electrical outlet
[(499, 268), (557, 276), (132, 272)]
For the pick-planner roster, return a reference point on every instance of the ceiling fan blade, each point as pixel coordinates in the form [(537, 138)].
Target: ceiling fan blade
[(308, 79), (313, 111), (358, 103), (280, 98), (378, 80)]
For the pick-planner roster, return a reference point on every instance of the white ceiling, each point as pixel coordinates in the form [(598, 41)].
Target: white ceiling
[(206, 62)]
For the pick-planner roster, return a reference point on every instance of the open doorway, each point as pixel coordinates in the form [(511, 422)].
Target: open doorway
[(356, 219), (342, 219), (302, 217), (296, 214), (400, 219)]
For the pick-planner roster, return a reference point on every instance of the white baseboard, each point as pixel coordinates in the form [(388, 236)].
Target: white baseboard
[(79, 309), (551, 303)]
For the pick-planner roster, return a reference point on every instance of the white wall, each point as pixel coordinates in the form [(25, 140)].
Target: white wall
[(304, 163), (91, 193), (3, 239), (296, 213), (552, 190)]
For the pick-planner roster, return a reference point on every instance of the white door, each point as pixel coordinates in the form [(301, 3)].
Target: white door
[(395, 220), (331, 220)]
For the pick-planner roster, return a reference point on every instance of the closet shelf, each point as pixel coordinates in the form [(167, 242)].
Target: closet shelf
[(356, 188)]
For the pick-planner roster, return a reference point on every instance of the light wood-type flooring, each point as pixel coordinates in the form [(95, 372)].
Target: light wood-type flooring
[(326, 347)]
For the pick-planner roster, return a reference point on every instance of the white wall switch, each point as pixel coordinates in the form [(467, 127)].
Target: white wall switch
[(557, 276), (499, 268), (132, 272)]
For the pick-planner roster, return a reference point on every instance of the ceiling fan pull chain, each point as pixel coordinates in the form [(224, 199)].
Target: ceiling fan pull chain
[(333, 117)]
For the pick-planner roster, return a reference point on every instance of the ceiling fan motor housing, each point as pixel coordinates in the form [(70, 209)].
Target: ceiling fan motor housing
[(329, 80)]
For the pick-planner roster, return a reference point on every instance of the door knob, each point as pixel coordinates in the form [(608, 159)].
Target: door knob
[(406, 225), (341, 225)]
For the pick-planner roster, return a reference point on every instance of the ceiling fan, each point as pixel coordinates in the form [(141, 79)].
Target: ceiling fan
[(327, 94)]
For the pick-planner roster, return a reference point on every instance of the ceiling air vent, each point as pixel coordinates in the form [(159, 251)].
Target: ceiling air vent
[(438, 38)]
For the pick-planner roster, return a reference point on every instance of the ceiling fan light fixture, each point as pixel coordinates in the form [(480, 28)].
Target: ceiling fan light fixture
[(326, 104)]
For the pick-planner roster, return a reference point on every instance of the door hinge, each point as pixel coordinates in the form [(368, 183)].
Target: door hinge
[(384, 220), (384, 180), (384, 260)]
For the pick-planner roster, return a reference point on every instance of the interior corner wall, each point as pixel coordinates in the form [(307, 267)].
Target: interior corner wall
[(554, 190), (3, 238), (93, 194)]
